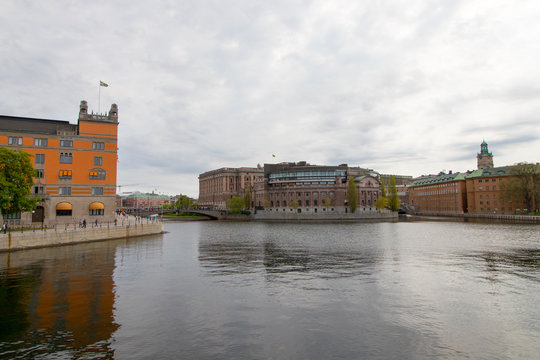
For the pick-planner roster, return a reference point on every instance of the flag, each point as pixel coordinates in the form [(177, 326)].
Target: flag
[(273, 155), (101, 83)]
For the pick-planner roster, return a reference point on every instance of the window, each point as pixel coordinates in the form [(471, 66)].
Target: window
[(98, 146), (96, 212), (66, 143), (97, 174), (40, 142), (64, 174), (40, 158), (66, 158), (97, 191), (14, 140), (98, 160), (64, 191), (38, 189), (12, 216), (40, 173)]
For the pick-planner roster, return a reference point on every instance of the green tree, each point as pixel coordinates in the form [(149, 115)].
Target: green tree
[(294, 204), (382, 202), (523, 184), (393, 201), (16, 181), (247, 196), (352, 195), (184, 202), (327, 202), (235, 204)]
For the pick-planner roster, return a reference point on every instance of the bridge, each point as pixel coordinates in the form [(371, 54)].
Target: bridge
[(216, 214)]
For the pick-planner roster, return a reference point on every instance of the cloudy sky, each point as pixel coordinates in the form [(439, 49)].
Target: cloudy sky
[(403, 87)]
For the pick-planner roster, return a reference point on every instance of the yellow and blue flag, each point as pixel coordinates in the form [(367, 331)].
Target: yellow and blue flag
[(101, 83)]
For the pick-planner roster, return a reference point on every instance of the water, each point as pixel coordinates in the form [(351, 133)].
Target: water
[(226, 290)]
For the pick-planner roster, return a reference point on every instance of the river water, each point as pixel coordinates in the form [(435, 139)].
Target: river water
[(250, 290)]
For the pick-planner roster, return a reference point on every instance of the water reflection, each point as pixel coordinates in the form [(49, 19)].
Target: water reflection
[(279, 250), (60, 301), (524, 263)]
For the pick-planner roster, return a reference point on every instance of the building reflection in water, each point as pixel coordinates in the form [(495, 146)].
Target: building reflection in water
[(58, 300), (277, 254)]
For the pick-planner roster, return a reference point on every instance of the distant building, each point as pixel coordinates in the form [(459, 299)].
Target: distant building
[(484, 158), (216, 187), (290, 186), (145, 200), (75, 165), (440, 194), (477, 192), (485, 193)]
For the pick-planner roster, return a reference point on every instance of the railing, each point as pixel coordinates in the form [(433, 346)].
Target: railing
[(81, 226)]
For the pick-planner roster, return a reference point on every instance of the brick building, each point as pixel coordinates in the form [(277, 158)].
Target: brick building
[(75, 165), (216, 187), (285, 186), (441, 194)]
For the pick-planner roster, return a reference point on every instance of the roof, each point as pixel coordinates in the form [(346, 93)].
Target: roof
[(488, 172), (32, 125), (147, 195), (438, 179)]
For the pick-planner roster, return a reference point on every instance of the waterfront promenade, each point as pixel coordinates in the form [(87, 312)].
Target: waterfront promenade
[(124, 227)]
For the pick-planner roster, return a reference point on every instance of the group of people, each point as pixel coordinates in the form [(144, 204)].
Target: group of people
[(82, 223)]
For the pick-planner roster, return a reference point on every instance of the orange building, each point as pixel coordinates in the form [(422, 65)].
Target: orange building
[(75, 165)]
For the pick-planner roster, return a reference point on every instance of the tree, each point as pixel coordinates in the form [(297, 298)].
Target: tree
[(352, 195), (184, 202), (16, 181), (382, 202), (393, 201), (327, 202), (294, 204), (523, 184), (247, 196), (235, 204)]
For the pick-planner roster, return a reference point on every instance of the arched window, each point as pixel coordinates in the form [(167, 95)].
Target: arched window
[(64, 209), (96, 208)]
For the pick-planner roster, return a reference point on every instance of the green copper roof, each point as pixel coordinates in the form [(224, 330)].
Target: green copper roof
[(438, 179), (498, 171)]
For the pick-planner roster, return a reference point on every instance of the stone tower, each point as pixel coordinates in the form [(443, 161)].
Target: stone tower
[(484, 158)]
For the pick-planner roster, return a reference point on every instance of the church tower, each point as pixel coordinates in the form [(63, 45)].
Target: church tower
[(485, 158)]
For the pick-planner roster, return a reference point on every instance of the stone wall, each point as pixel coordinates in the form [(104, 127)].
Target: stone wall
[(338, 214), (55, 237)]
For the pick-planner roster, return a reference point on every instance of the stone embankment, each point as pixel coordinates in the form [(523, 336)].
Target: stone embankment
[(515, 219), (20, 240), (337, 214)]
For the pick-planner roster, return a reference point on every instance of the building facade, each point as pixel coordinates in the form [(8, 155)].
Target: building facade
[(439, 194), (216, 187), (484, 158), (75, 165), (146, 200), (485, 193), (290, 186)]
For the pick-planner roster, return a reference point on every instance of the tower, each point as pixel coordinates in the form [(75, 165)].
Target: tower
[(484, 158)]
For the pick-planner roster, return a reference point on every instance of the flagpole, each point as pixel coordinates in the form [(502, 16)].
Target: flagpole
[(99, 97)]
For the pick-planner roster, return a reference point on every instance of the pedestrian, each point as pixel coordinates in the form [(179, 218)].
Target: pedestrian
[(96, 222), (5, 228), (84, 223), (115, 222)]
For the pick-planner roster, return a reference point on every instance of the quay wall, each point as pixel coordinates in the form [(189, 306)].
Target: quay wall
[(516, 219), (54, 237), (329, 215)]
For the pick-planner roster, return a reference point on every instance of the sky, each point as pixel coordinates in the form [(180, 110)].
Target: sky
[(402, 87)]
